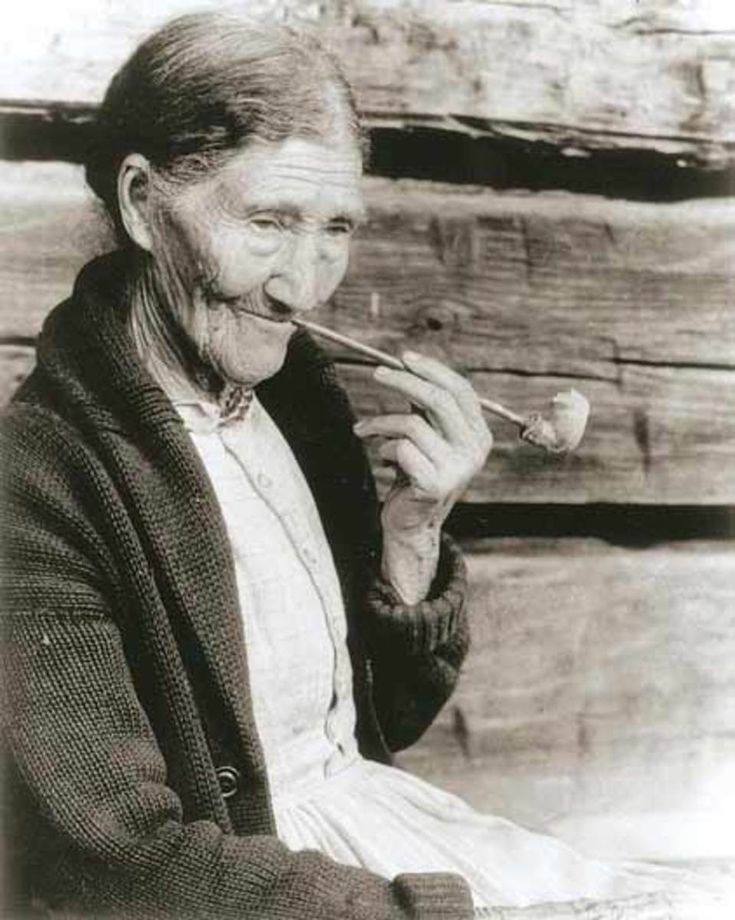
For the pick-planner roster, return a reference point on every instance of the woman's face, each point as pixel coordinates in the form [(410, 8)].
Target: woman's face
[(264, 239)]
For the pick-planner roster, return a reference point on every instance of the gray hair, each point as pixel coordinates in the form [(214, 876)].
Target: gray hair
[(202, 87)]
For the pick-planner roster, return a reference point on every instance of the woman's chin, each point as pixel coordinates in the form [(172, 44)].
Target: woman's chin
[(253, 351), (252, 369)]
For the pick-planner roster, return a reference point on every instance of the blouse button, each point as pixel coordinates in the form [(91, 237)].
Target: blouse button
[(264, 481), (229, 781)]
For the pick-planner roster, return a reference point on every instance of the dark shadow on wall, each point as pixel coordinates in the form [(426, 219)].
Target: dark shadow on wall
[(621, 525)]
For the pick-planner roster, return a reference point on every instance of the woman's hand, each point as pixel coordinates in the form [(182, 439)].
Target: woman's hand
[(437, 450)]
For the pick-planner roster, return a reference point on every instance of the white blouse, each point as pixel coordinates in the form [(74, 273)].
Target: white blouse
[(325, 795), (290, 598)]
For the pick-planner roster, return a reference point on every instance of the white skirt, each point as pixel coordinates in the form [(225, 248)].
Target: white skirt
[(389, 821)]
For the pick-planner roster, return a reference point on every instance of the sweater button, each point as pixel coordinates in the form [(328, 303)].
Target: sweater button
[(229, 781)]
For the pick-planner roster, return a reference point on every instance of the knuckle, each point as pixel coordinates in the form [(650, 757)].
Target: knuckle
[(404, 449), (438, 399), (432, 399), (415, 425)]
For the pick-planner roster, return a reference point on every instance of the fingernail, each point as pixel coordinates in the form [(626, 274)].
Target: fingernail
[(359, 427), (411, 356), (380, 371)]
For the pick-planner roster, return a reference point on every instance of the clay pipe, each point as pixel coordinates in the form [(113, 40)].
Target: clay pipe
[(560, 435)]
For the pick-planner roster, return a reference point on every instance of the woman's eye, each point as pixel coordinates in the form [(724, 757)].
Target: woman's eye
[(266, 223), (340, 227)]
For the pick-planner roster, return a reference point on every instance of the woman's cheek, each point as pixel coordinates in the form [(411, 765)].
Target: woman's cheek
[(335, 267), (241, 267)]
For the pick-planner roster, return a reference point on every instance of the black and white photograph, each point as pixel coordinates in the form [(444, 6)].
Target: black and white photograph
[(367, 426)]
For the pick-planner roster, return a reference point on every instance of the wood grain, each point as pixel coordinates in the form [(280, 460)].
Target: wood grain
[(16, 362), (540, 284), (578, 75), (527, 294), (598, 698), (569, 283)]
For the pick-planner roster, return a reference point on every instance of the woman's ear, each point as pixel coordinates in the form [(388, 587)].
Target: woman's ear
[(133, 197)]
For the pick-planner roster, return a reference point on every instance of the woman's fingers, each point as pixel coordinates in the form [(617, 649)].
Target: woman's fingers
[(441, 447), (414, 446), (409, 426), (415, 464), (441, 375), (448, 399), (436, 401)]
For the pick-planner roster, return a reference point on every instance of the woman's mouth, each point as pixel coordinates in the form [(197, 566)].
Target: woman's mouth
[(257, 308), (270, 322), (269, 317)]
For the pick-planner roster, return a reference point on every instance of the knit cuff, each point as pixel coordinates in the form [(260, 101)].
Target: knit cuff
[(434, 896), (430, 623)]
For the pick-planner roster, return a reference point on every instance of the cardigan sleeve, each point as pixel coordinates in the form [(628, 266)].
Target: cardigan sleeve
[(103, 832), (416, 651)]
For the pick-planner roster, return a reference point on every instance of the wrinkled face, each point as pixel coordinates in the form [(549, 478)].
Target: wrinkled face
[(264, 239)]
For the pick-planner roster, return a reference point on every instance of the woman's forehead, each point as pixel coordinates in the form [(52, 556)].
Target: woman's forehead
[(295, 174)]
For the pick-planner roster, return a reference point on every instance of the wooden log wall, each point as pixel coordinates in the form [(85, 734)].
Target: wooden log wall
[(597, 701), (551, 205)]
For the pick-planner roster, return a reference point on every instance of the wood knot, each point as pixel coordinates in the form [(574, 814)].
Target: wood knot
[(438, 320)]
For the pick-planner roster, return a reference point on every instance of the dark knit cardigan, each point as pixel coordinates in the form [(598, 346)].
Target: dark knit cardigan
[(125, 672)]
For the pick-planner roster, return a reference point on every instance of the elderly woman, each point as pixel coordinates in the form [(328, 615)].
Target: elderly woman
[(215, 641)]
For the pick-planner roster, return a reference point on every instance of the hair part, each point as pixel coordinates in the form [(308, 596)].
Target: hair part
[(202, 87)]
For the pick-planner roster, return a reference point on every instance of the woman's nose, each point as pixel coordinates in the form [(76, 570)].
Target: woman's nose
[(294, 280)]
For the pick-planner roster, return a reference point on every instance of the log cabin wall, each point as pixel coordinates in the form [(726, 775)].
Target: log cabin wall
[(551, 206)]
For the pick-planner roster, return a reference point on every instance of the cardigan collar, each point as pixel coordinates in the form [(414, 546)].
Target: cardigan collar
[(86, 351), (89, 370)]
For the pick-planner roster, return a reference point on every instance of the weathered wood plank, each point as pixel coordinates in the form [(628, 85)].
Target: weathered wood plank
[(543, 65), (560, 280), (528, 294), (49, 226), (597, 701), (548, 283), (16, 362), (578, 75)]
